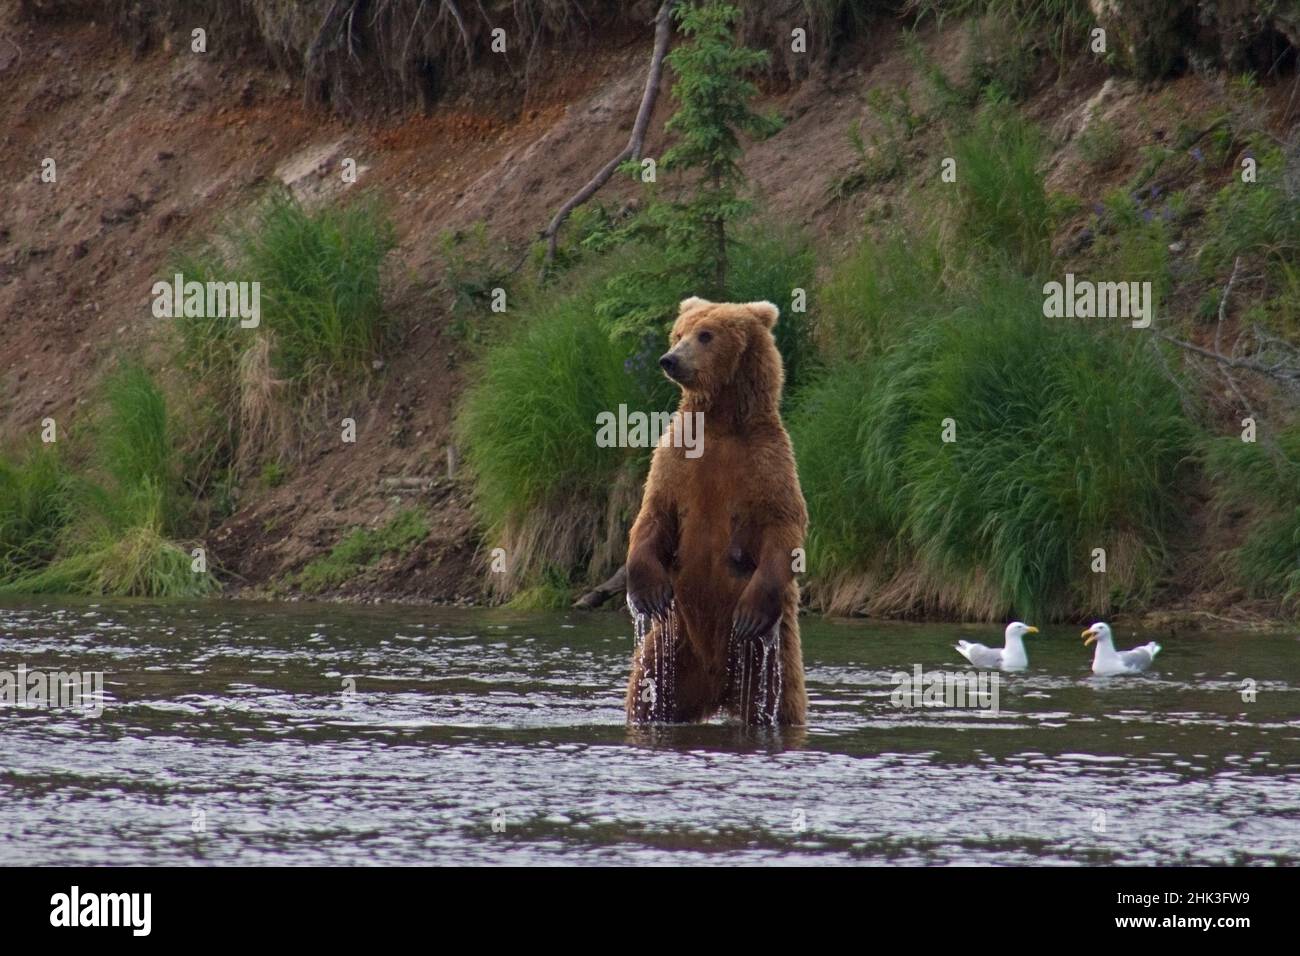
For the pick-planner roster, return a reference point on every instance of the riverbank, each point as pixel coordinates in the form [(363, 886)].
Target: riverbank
[(158, 150)]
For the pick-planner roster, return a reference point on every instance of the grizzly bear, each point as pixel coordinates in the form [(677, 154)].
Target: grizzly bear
[(712, 553)]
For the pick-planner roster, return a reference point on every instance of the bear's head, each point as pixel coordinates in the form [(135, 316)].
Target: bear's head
[(723, 356)]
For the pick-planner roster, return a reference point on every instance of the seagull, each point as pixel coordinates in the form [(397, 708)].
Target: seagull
[(1009, 658), (1106, 661)]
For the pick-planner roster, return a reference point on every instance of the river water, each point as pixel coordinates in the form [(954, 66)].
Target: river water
[(242, 733)]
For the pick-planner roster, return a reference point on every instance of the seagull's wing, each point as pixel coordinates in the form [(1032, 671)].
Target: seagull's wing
[(1140, 658), (979, 655)]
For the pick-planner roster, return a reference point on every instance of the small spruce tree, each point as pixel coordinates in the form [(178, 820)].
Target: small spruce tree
[(713, 99)]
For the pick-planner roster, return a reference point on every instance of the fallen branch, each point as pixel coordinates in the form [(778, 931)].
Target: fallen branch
[(1278, 371), (635, 143), (1218, 335), (603, 592)]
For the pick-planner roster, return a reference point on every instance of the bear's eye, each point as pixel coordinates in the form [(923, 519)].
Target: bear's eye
[(705, 336)]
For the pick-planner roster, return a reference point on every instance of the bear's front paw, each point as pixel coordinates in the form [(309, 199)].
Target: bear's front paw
[(649, 592), (757, 612)]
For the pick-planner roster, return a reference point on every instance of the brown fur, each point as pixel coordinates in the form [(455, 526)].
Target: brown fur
[(716, 533)]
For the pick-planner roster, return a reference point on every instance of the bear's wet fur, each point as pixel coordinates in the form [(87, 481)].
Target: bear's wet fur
[(712, 553)]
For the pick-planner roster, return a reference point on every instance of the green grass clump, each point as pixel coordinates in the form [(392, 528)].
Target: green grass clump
[(1000, 205), (1260, 222), (118, 519), (322, 325), (320, 274), (1262, 480), (528, 422), (1051, 459), (33, 508), (361, 549), (1101, 147), (553, 592), (137, 561), (877, 285)]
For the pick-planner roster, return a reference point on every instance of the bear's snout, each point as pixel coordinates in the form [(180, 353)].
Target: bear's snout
[(677, 367)]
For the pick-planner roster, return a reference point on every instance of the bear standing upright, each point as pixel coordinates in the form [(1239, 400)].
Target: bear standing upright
[(712, 553)]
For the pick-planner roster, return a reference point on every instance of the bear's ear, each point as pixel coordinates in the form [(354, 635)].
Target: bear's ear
[(765, 312), (691, 303)]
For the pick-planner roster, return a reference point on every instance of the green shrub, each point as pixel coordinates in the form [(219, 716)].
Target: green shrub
[(470, 268), (528, 421), (1260, 222), (1133, 232), (885, 157)]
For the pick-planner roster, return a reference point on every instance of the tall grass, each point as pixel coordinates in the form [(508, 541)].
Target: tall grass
[(116, 520), (1067, 439), (880, 280), (528, 425), (1001, 205), (1062, 26), (320, 273), (1262, 480), (33, 507), (322, 325)]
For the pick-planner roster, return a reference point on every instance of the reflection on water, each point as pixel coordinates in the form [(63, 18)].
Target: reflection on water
[(248, 734)]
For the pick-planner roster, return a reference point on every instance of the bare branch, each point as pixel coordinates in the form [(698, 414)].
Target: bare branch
[(635, 143)]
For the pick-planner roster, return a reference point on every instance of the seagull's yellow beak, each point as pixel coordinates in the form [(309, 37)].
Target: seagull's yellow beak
[(1088, 636), (1031, 630)]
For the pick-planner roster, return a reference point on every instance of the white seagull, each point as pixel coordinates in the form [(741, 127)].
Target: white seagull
[(1009, 658), (1106, 661)]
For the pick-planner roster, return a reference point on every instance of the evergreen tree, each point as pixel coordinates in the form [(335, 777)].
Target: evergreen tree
[(713, 98)]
